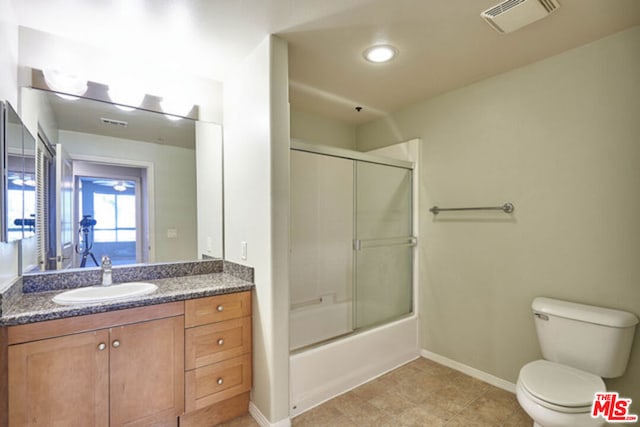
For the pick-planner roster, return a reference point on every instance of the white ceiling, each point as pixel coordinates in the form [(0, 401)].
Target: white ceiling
[(443, 44)]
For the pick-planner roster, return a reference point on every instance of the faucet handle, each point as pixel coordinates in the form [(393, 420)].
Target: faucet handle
[(106, 261)]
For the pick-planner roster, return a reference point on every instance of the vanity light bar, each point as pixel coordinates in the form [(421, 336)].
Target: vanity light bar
[(100, 92)]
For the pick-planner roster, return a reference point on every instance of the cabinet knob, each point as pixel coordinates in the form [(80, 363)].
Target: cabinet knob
[(116, 344), (220, 308), (220, 381), (220, 341), (102, 346)]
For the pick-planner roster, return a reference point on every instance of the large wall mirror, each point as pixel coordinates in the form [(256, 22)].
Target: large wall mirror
[(137, 185)]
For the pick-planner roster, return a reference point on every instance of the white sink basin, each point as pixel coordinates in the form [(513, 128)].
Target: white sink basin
[(104, 293)]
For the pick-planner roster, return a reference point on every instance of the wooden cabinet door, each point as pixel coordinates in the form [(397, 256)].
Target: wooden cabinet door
[(60, 381), (147, 373)]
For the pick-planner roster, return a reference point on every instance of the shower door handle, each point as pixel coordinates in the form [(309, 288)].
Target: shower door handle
[(359, 244)]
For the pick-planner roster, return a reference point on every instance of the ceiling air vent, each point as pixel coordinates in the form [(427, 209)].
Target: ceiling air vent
[(114, 122), (510, 15)]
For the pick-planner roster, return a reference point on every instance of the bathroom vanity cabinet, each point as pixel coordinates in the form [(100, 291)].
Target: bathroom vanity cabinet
[(136, 367), (109, 369)]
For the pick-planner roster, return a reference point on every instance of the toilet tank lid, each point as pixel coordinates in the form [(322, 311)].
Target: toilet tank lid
[(584, 313)]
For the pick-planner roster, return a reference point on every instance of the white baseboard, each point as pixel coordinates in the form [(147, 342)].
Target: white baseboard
[(263, 421), (473, 372)]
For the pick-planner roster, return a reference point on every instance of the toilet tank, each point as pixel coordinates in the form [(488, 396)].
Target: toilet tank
[(590, 338)]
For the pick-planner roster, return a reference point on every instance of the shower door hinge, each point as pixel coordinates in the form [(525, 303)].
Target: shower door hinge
[(357, 245)]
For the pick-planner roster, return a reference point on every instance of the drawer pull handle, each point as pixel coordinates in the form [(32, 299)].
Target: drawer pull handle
[(220, 381), (115, 344), (220, 341), (220, 308), (102, 346)]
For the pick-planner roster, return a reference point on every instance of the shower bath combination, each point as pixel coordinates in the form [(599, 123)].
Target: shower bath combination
[(353, 270), (351, 243)]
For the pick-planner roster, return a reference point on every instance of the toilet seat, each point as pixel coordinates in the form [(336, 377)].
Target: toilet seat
[(559, 387)]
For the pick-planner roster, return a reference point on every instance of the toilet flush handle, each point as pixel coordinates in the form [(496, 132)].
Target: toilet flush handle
[(541, 316)]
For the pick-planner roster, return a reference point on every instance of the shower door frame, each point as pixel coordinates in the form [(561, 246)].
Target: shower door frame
[(326, 150)]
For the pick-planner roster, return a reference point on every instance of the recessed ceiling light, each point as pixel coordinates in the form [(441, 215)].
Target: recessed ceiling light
[(380, 53)]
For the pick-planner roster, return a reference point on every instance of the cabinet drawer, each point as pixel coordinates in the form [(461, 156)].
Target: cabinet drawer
[(215, 342), (217, 308), (217, 382)]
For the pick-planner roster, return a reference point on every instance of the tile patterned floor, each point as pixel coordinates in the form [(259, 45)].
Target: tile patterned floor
[(421, 393)]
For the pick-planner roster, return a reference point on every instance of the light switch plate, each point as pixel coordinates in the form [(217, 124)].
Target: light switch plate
[(243, 250)]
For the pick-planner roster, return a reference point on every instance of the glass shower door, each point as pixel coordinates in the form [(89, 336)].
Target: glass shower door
[(384, 242), (320, 248)]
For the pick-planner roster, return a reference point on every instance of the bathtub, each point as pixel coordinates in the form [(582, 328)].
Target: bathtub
[(319, 373), (315, 323)]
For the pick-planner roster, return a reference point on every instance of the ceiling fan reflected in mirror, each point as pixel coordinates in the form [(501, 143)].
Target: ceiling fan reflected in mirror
[(20, 179), (118, 185)]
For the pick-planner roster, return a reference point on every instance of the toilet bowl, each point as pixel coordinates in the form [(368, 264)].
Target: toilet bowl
[(556, 395), (581, 344)]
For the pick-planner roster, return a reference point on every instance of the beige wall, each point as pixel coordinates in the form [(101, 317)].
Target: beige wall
[(559, 139), (256, 206), (317, 129)]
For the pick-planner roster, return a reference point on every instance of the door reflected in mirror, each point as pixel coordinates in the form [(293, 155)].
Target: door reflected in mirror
[(111, 219), (133, 174)]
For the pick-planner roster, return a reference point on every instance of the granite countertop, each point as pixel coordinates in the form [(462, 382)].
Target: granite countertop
[(32, 307)]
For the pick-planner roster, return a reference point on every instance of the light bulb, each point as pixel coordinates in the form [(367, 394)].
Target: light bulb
[(70, 85), (380, 53)]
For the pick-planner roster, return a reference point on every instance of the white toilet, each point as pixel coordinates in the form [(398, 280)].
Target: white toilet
[(580, 344)]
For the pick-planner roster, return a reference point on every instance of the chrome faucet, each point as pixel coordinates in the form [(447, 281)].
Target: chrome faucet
[(106, 270)]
